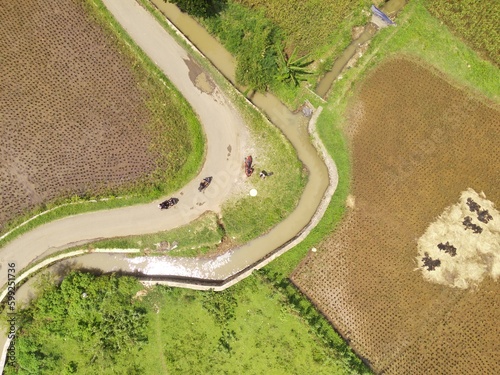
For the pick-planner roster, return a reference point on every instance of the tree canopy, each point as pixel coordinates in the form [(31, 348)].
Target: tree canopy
[(199, 8), (96, 318)]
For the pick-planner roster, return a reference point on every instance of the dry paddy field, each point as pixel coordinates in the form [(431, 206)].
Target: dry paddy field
[(417, 143), (72, 114)]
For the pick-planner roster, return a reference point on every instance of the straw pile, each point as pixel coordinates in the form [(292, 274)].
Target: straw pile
[(463, 245)]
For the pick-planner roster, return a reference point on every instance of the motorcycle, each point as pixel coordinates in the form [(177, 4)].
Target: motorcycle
[(204, 184), (168, 203)]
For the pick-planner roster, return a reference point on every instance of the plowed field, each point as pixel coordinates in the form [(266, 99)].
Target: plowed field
[(72, 114), (417, 142)]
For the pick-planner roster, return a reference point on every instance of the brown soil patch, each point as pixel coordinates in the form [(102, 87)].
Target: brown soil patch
[(417, 143), (71, 113)]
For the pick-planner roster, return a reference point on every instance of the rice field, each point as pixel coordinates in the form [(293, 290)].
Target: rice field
[(308, 25), (417, 143)]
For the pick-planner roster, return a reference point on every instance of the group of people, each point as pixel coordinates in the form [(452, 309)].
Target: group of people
[(249, 168)]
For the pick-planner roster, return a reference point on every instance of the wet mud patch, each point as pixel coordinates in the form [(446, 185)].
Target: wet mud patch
[(417, 142), (199, 77)]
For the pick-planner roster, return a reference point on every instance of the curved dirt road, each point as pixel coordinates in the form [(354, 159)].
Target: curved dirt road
[(225, 133)]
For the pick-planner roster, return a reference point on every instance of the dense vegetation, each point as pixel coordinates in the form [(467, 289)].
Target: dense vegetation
[(85, 325), (476, 21), (256, 32), (199, 8), (308, 25), (254, 327), (253, 39)]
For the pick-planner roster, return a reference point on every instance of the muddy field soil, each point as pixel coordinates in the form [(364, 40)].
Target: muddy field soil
[(417, 142), (72, 114)]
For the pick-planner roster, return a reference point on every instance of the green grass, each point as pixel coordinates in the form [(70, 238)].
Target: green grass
[(252, 39), (194, 239), (248, 217), (251, 328)]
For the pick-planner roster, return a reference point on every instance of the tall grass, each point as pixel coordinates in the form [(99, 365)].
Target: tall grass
[(252, 39)]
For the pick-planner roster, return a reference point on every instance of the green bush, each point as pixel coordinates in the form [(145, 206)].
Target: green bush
[(87, 322)]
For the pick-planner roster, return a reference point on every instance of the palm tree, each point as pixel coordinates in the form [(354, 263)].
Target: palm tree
[(293, 69)]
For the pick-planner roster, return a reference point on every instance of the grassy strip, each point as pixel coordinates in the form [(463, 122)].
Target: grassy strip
[(336, 144), (164, 102), (197, 238), (63, 208)]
